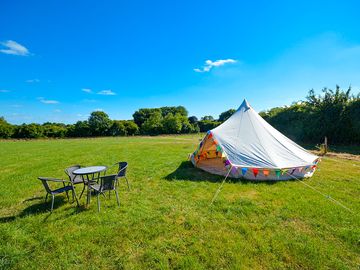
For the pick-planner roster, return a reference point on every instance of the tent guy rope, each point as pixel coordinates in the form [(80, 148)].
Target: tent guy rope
[(220, 187)]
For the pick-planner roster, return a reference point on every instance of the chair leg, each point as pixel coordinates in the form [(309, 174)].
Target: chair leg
[(98, 202), (46, 196), (127, 183), (74, 196), (109, 194), (52, 202), (67, 195), (82, 191), (117, 197), (88, 196)]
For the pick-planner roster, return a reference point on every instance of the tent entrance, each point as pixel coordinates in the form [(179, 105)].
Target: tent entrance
[(210, 157)]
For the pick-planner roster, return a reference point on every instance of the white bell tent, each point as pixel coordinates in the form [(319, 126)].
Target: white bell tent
[(246, 146)]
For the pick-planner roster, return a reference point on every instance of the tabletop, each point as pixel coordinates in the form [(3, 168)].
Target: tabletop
[(89, 170)]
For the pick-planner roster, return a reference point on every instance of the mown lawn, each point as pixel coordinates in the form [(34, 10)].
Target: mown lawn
[(166, 220)]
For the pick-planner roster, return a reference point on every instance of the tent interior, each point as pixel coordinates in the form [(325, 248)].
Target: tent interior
[(212, 159)]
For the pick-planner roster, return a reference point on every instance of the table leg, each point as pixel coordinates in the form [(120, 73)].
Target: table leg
[(89, 190)]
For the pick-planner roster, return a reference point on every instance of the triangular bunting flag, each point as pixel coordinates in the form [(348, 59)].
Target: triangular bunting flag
[(277, 172), (266, 172), (255, 171), (243, 171)]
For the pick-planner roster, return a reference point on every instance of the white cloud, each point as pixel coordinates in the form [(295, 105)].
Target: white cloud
[(86, 90), (4, 91), (57, 111), (47, 101), (210, 64), (12, 47), (106, 93), (33, 81)]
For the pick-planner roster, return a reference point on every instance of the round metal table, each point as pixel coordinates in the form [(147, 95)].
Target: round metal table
[(92, 174)]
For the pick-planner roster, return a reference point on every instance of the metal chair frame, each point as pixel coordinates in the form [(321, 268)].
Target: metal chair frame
[(122, 171), (53, 192), (75, 178), (107, 183)]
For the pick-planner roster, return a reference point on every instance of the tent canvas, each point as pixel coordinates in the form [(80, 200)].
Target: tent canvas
[(246, 146)]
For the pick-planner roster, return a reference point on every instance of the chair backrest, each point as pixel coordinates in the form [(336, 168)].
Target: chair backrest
[(108, 182), (69, 172), (122, 169), (45, 184)]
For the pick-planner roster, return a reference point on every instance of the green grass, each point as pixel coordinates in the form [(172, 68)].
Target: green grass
[(166, 221)]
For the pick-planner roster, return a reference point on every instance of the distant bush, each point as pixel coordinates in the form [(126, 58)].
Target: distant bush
[(205, 125), (334, 114), (31, 131)]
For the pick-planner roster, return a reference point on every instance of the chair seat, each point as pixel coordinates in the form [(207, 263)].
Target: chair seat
[(95, 187), (60, 190), (79, 181)]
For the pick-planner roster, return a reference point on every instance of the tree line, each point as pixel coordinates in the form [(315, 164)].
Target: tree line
[(333, 113), (146, 121)]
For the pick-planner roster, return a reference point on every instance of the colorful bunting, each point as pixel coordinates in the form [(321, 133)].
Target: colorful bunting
[(243, 171), (234, 170), (210, 136), (218, 148), (215, 142), (266, 172), (255, 171), (227, 162)]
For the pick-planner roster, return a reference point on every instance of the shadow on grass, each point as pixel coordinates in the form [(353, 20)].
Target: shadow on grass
[(187, 172), (42, 207)]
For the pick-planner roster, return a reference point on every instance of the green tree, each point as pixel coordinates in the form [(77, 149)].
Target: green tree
[(99, 123), (206, 125), (117, 128), (80, 129), (172, 123), (30, 131), (54, 130), (226, 115), (6, 129), (131, 128), (207, 118), (153, 125), (141, 115), (174, 110), (193, 119)]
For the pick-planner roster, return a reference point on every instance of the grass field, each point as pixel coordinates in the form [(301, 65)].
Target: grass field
[(166, 221)]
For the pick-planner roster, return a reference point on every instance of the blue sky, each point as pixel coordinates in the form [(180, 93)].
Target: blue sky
[(61, 60)]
